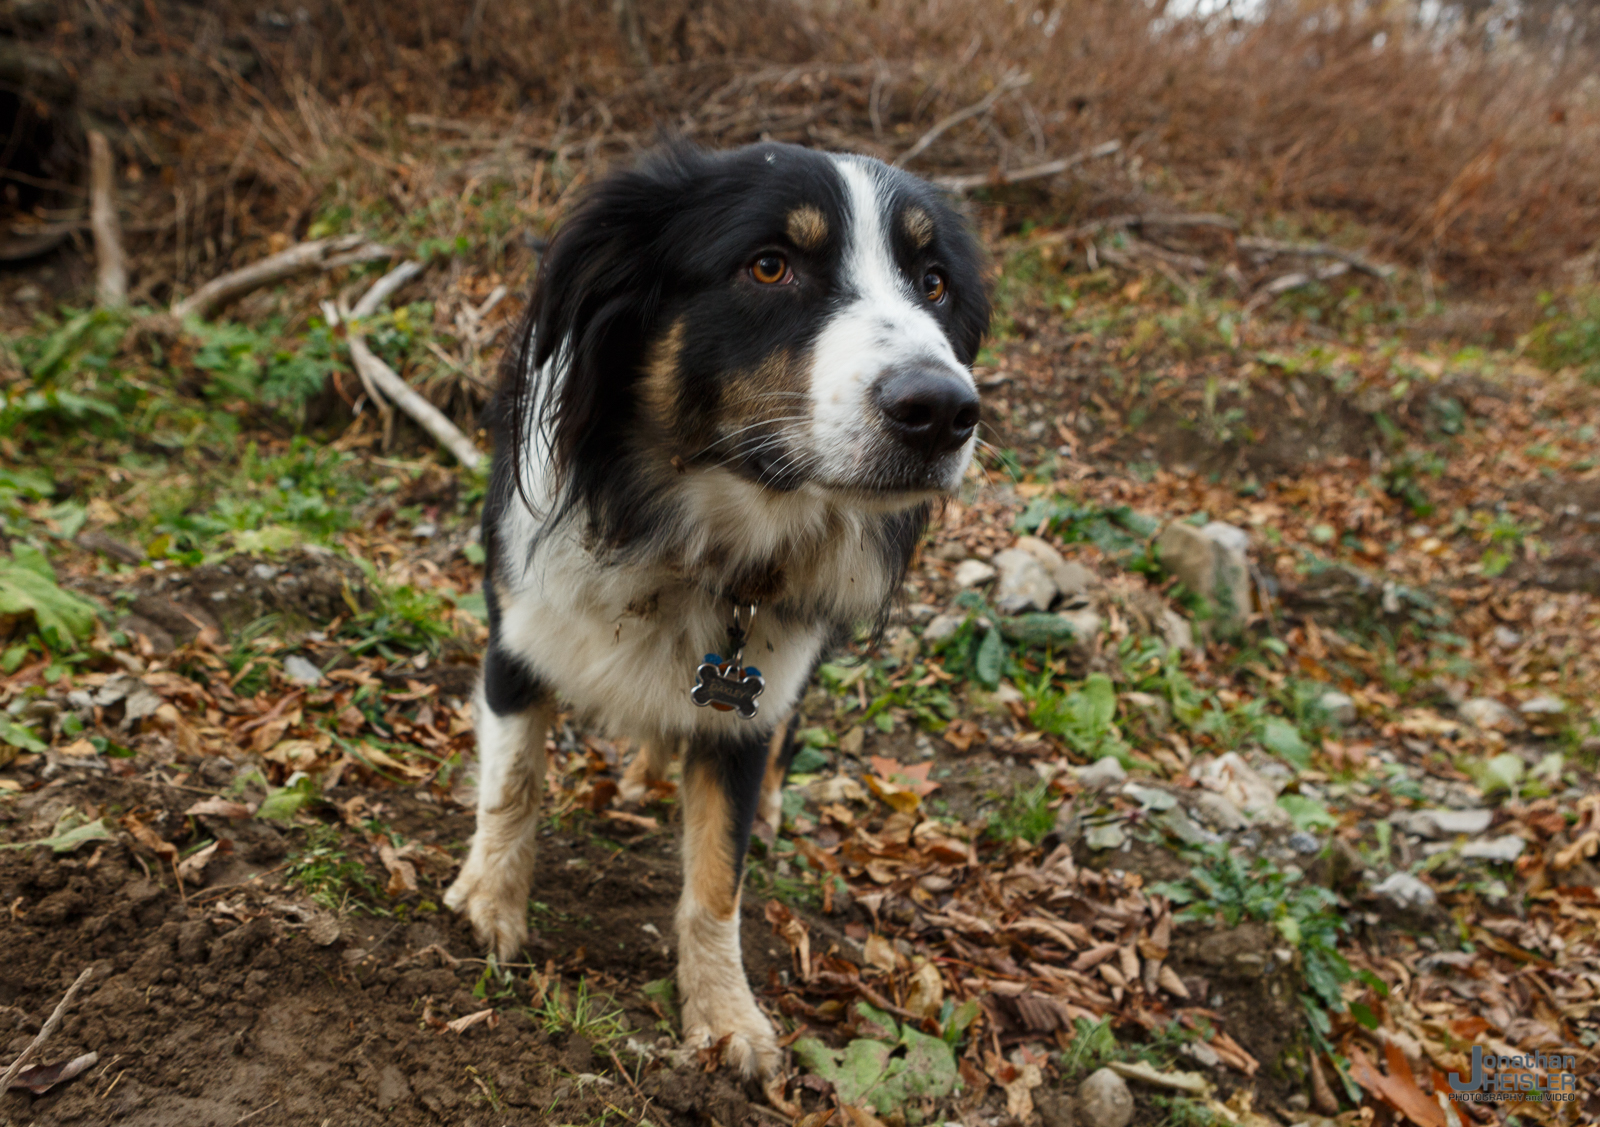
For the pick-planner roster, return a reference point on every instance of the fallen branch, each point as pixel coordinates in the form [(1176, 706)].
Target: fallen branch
[(111, 264), (383, 382), (1005, 86), (319, 253), (1317, 250), (1124, 222), (44, 1034), (1001, 177), (1286, 282)]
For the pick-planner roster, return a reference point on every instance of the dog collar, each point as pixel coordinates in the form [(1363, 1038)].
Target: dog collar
[(730, 686)]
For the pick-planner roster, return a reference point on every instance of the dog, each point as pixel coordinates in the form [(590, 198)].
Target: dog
[(742, 380)]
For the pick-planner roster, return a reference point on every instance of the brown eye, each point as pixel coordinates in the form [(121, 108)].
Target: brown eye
[(933, 286), (771, 269)]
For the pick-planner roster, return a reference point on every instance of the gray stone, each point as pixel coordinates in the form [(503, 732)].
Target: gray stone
[(301, 671), (1101, 773), (1219, 813), (1543, 705), (1176, 631), (1211, 562), (1338, 705), (1405, 891), (942, 626), (1304, 843), (1489, 714), (1070, 577), (1104, 1100), (970, 573), (921, 612), (1446, 823), (1086, 623), (1023, 583), (1108, 836), (1507, 848)]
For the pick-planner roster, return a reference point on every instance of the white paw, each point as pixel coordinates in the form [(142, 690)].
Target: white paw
[(752, 1048), (499, 912), (633, 789)]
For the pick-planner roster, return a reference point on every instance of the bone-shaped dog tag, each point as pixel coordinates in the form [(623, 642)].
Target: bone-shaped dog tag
[(727, 688)]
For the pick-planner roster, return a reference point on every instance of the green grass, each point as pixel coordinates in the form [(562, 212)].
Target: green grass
[(595, 1017), (324, 872), (1025, 814)]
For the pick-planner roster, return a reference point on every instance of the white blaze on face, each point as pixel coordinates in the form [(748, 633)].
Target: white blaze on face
[(881, 323)]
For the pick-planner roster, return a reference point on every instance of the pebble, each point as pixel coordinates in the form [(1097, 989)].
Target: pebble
[(1488, 713), (1104, 1100), (1023, 583), (1304, 843), (921, 612), (1101, 773), (301, 671), (970, 573), (1070, 578), (1338, 705), (1446, 823), (1543, 705), (1507, 848), (1405, 891), (942, 626), (1218, 813)]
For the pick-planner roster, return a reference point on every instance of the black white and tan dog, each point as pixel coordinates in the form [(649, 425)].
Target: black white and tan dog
[(740, 384)]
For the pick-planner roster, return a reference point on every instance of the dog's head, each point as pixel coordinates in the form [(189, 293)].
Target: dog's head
[(793, 320)]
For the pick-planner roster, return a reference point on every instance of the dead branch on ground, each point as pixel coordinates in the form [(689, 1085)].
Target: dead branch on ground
[(317, 254), (111, 264), (1000, 177), (44, 1033), (384, 383), (1006, 85)]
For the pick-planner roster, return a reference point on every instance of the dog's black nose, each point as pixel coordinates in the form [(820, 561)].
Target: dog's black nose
[(931, 411)]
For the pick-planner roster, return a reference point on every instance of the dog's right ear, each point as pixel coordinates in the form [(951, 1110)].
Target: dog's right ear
[(582, 343)]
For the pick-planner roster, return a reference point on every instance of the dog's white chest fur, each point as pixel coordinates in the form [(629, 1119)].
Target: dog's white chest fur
[(620, 639)]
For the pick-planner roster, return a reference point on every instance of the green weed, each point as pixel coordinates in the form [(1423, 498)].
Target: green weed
[(1026, 814), (324, 872), (594, 1017)]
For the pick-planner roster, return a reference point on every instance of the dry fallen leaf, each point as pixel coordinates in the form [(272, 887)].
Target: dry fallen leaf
[(221, 807), (462, 1024), (40, 1078), (192, 868)]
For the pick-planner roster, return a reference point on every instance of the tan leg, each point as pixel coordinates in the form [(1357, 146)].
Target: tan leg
[(719, 793), (646, 769), (492, 888), (770, 808)]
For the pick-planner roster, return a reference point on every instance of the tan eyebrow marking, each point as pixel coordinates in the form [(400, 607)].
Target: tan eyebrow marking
[(807, 227), (918, 226)]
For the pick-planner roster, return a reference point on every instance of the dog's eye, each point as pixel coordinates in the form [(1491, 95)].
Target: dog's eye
[(934, 286), (771, 270)]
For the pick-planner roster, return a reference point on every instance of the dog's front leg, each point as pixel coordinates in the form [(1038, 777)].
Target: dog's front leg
[(721, 784), (513, 714)]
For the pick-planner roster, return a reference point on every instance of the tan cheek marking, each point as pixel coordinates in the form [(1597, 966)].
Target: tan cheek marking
[(711, 868), (807, 227), (660, 386), (918, 226), (769, 392)]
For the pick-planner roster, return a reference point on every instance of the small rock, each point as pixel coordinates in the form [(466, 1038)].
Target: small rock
[(1507, 848), (1304, 843), (1085, 623), (1023, 584), (970, 573), (1507, 638), (27, 293), (1104, 1100), (1150, 797), (1070, 578), (952, 550), (1299, 1101), (264, 572), (1338, 705), (1543, 705), (1489, 714), (942, 626), (921, 612), (1108, 836), (1405, 891), (1211, 562), (1446, 823), (1248, 789), (1176, 631), (424, 530), (1007, 693), (301, 671), (1101, 773), (1219, 813), (1201, 1053)]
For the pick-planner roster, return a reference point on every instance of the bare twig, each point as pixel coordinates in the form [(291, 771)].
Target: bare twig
[(111, 265), (1033, 172), (44, 1034), (1005, 86), (319, 253), (1317, 250), (379, 377), (1286, 282)]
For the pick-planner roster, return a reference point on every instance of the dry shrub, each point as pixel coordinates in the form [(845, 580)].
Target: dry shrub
[(1481, 160)]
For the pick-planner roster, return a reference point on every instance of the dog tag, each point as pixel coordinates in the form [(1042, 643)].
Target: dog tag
[(727, 688)]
